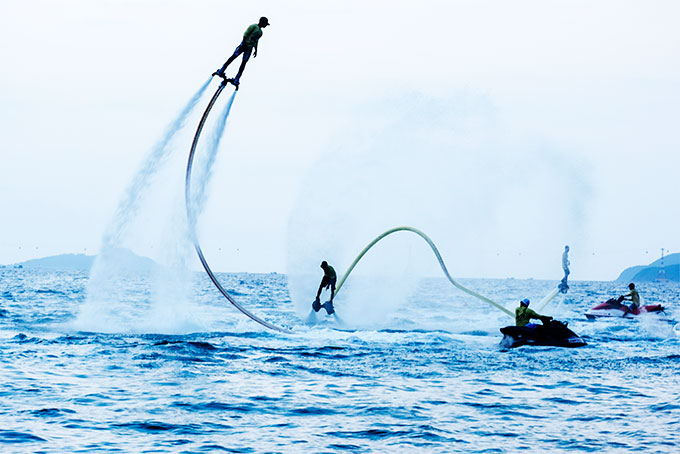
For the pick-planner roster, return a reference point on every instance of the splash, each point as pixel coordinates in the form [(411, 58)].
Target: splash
[(128, 207), (204, 165), (117, 276)]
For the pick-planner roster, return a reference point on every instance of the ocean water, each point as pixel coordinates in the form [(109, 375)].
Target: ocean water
[(430, 377)]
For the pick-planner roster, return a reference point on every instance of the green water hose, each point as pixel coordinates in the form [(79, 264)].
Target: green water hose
[(439, 259)]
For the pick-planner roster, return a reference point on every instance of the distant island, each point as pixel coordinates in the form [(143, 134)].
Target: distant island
[(124, 258), (669, 270)]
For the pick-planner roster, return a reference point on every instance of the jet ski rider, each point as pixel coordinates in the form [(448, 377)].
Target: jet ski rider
[(523, 315), (633, 296)]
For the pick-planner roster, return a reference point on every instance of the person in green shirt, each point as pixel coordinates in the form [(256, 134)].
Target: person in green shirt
[(328, 280), (632, 296), (247, 47), (523, 315)]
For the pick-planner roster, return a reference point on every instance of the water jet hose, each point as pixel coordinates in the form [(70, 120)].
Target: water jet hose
[(427, 239), (548, 298), (192, 222), (436, 253)]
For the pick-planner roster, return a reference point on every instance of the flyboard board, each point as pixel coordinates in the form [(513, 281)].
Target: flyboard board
[(328, 305), (232, 81), (226, 80), (331, 315)]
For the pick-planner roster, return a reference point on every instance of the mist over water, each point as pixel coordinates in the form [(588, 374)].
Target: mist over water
[(489, 201), (129, 205)]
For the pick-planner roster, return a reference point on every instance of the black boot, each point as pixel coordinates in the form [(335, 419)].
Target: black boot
[(219, 72)]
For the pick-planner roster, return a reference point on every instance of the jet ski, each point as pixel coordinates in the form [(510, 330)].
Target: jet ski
[(614, 308), (550, 333)]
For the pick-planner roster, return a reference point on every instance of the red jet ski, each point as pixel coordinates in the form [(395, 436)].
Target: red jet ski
[(614, 308)]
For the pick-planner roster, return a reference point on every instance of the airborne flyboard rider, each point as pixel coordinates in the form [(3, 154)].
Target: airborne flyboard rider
[(247, 46), (564, 287)]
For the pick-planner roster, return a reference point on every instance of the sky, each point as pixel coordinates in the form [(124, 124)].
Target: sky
[(504, 130)]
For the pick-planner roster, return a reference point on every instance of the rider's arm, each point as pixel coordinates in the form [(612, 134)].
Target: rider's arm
[(538, 316)]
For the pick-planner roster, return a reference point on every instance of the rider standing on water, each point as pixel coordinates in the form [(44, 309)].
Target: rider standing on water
[(523, 315), (563, 286), (328, 280), (247, 46), (633, 296), (565, 261)]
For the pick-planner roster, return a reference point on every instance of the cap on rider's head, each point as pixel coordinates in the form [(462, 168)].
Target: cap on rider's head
[(263, 21), (324, 264), (525, 301)]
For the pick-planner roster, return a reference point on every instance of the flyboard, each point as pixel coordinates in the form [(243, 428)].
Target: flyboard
[(316, 316), (328, 305), (226, 80)]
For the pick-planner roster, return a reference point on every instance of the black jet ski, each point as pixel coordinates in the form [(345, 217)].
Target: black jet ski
[(552, 333)]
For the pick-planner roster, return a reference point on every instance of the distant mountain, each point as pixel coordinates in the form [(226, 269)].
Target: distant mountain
[(628, 274), (648, 273), (670, 259), (61, 262), (123, 259), (652, 273)]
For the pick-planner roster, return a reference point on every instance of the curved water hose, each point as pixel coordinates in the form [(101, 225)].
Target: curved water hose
[(439, 258), (192, 221)]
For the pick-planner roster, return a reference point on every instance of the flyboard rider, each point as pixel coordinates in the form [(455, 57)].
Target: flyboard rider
[(329, 279), (247, 47)]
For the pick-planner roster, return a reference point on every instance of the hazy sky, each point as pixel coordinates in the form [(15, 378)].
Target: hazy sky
[(503, 129)]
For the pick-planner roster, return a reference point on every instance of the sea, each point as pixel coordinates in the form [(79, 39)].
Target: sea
[(429, 377)]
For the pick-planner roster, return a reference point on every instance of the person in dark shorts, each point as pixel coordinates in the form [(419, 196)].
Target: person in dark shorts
[(247, 47), (329, 279)]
